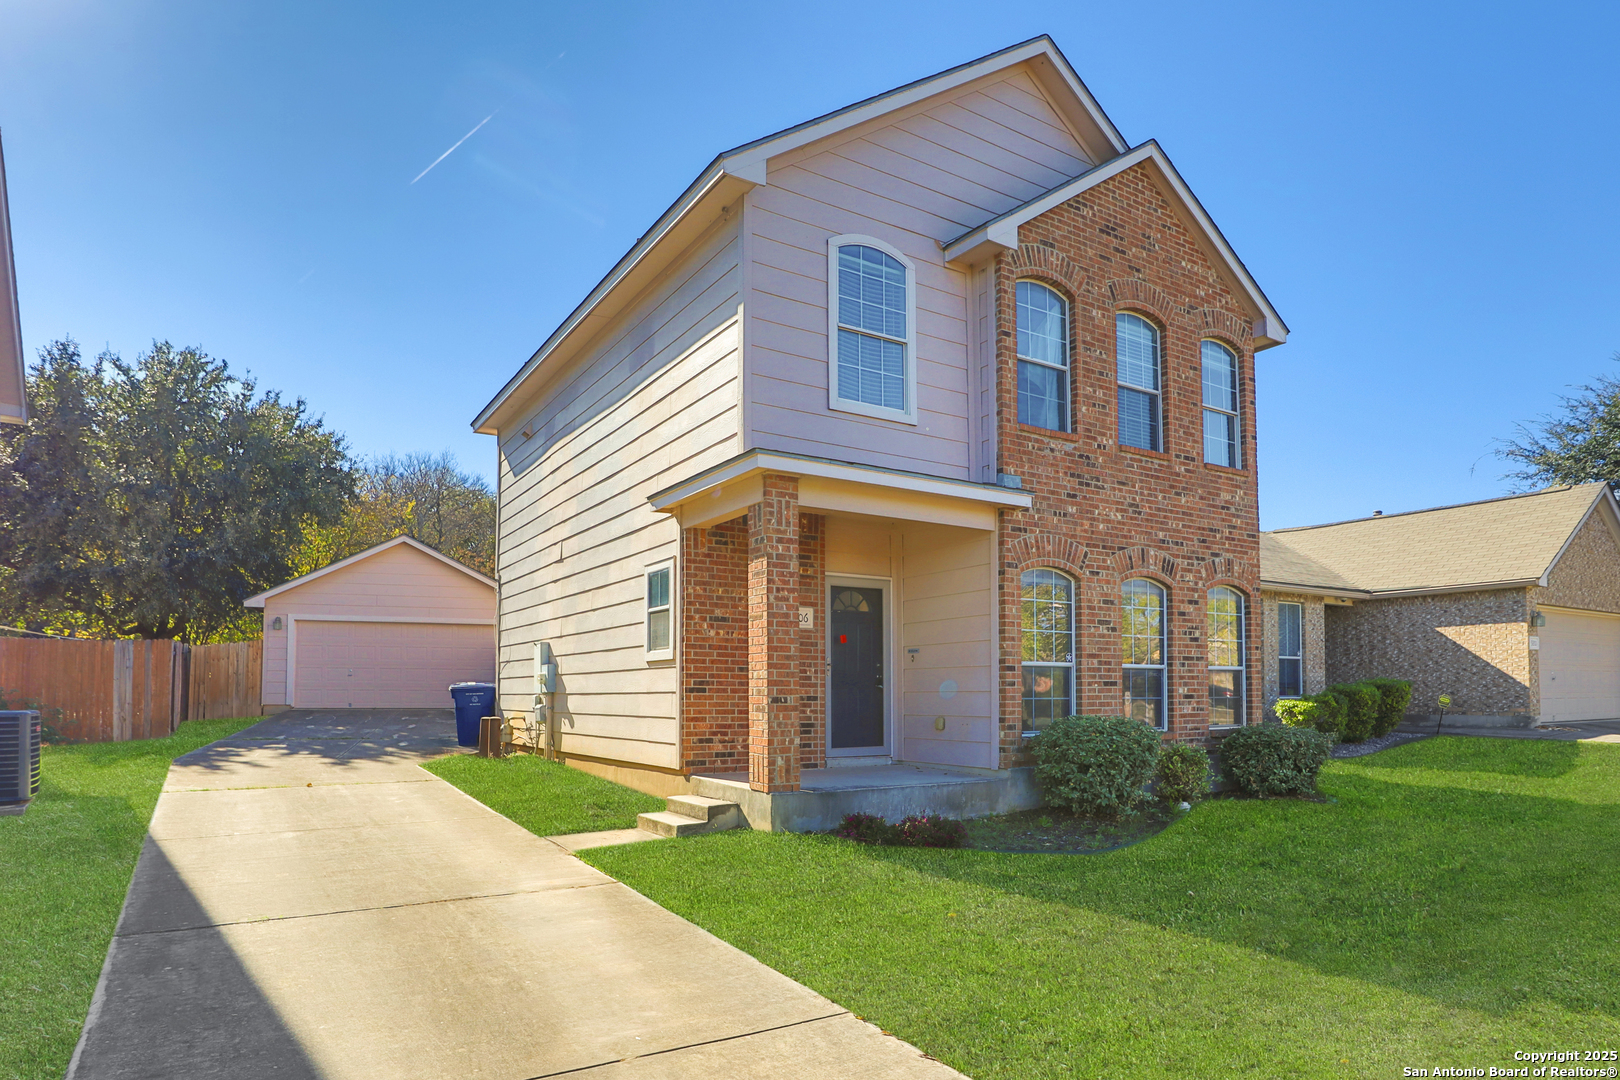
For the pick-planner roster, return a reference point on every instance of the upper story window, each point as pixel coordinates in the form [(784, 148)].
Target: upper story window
[(660, 613), (1043, 357), (1220, 405), (1290, 650), (1225, 657), (1046, 613), (1142, 646), (872, 312), (1136, 350)]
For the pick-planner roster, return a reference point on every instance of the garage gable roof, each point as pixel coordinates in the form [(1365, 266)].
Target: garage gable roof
[(1496, 543), (258, 601)]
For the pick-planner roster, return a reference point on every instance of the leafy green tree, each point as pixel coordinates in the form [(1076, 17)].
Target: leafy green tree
[(1578, 445), (149, 499)]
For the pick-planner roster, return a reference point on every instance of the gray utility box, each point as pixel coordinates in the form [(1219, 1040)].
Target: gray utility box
[(19, 759)]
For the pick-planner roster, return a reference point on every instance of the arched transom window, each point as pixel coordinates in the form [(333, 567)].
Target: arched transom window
[(1043, 357), (1136, 347), (1225, 657), (872, 331), (1046, 613), (1142, 648)]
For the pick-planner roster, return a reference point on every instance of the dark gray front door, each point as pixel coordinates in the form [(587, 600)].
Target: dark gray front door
[(856, 719)]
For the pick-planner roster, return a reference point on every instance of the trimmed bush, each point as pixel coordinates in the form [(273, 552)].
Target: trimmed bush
[(1095, 765), (1394, 696), (865, 829), (1271, 759), (1362, 702), (926, 831), (1183, 774), (1324, 712)]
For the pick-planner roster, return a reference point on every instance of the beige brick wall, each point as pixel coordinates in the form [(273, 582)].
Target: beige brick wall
[(1588, 574), (1473, 646), (1313, 627)]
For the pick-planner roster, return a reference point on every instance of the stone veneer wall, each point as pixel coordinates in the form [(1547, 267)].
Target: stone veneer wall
[(1588, 574), (1313, 626), (1102, 512), (1474, 646)]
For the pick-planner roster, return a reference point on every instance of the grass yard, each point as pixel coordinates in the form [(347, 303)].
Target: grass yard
[(1457, 902), (64, 868), (543, 796)]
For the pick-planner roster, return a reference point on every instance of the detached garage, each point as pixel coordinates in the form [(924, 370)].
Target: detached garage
[(389, 628)]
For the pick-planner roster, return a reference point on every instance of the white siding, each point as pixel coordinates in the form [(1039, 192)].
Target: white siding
[(914, 178), (948, 600), (653, 401)]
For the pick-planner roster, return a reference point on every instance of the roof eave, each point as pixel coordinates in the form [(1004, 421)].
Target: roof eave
[(1270, 585)]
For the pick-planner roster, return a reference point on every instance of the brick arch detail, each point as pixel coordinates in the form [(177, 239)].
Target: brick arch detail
[(1134, 292), (1044, 549), (1226, 570), (1128, 562), (1218, 323), (1038, 260)]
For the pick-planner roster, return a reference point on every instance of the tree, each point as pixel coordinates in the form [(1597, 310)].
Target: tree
[(150, 499), (1577, 446), (426, 497)]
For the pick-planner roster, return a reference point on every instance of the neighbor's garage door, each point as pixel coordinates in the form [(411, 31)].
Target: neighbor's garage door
[(1580, 667), (366, 665)]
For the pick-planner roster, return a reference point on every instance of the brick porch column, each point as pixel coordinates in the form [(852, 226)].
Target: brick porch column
[(773, 637)]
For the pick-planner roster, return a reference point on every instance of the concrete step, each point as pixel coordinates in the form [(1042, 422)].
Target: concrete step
[(691, 814)]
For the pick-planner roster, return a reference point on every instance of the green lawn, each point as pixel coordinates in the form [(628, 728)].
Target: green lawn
[(64, 869), (544, 797), (1457, 902)]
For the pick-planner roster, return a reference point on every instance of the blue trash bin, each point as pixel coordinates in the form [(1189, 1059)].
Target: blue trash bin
[(474, 701)]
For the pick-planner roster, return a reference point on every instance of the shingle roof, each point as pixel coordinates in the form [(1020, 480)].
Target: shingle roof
[(1474, 544)]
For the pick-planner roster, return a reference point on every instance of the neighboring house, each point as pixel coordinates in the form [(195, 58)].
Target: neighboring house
[(389, 628), (901, 432), (13, 382), (1509, 606)]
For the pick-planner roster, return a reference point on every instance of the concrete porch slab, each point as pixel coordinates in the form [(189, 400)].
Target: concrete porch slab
[(826, 796)]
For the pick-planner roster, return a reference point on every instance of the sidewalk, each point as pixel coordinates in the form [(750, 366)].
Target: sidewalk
[(310, 904)]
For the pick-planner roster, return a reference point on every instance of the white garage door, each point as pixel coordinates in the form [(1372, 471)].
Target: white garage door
[(367, 665), (1580, 667)]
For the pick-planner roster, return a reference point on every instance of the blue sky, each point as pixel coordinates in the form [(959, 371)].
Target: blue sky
[(1426, 191)]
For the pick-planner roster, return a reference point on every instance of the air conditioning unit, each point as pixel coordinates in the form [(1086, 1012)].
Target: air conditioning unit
[(19, 759)]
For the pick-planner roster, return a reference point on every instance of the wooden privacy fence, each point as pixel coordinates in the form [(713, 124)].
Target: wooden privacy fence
[(112, 691)]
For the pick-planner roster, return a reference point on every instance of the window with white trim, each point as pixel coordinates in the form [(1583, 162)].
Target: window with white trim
[(1136, 358), (660, 612), (872, 317), (1046, 613), (1043, 357), (1220, 405), (1225, 657), (1290, 650), (1142, 642)]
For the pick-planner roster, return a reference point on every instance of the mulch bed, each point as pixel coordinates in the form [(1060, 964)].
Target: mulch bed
[(1058, 833)]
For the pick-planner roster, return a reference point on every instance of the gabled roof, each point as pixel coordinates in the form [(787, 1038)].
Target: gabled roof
[(1002, 232), (1497, 543), (13, 380), (258, 601), (735, 171)]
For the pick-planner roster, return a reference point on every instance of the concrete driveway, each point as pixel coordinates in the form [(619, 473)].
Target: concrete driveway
[(309, 903)]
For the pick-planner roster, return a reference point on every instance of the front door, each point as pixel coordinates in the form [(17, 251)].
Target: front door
[(855, 719)]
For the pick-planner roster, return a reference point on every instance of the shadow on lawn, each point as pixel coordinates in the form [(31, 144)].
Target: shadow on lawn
[(1476, 754), (1481, 900)]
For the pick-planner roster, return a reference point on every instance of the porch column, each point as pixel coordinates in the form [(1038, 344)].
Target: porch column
[(773, 636)]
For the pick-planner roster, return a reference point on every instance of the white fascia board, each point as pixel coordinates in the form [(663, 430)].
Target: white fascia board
[(710, 179), (258, 601), (767, 461), (1479, 586), (1268, 585), (755, 155), (1268, 329), (1599, 500)]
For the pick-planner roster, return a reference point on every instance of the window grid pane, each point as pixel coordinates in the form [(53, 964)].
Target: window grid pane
[(1142, 650), (1220, 439), (1137, 348), (1043, 325), (1043, 396), (1225, 656), (1046, 615), (871, 370), (871, 291), (1290, 650), (1220, 377), (1138, 419)]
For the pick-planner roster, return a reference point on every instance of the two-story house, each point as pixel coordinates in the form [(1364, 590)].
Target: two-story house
[(900, 433)]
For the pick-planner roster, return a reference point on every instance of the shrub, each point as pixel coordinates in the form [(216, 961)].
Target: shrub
[(926, 831), (1183, 773), (1324, 712), (1362, 702), (1270, 759), (1095, 765), (865, 829), (1394, 696)]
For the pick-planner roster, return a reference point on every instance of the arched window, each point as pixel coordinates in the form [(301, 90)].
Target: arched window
[(872, 316), (1046, 613), (1220, 405), (1142, 642), (1136, 353), (1225, 657), (1043, 357)]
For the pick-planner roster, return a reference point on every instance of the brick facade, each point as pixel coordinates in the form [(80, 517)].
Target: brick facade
[(1585, 576), (1473, 646), (1313, 633), (713, 611), (1103, 513)]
